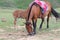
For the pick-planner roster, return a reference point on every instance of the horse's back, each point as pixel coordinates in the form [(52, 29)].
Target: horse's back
[(49, 4)]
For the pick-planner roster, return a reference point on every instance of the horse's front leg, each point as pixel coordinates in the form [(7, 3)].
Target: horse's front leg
[(41, 23), (34, 25)]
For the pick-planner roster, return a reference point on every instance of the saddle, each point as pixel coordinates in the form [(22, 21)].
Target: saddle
[(42, 4)]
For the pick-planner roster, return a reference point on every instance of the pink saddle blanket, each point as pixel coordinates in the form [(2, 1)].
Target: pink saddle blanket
[(42, 4)]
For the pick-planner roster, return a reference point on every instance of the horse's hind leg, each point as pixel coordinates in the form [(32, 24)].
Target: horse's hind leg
[(48, 21), (41, 23), (34, 25)]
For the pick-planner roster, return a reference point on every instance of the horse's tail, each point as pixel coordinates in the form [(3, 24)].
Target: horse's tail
[(55, 13)]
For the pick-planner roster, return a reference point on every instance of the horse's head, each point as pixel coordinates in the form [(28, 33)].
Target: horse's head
[(29, 27)]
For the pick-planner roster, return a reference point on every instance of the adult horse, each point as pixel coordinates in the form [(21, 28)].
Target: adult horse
[(31, 14), (34, 13)]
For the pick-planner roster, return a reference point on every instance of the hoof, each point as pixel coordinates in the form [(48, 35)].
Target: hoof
[(47, 27), (31, 34), (34, 33)]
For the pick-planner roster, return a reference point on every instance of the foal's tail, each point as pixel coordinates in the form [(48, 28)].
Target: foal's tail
[(55, 13)]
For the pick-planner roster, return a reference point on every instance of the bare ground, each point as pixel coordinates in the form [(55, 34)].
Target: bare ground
[(21, 34)]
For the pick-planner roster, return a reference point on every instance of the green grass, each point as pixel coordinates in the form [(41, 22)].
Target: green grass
[(23, 3), (6, 26), (7, 13)]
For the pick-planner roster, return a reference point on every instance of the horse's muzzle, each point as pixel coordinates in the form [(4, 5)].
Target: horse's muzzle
[(29, 27), (28, 23)]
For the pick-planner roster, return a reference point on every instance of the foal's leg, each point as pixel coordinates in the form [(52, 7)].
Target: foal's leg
[(48, 21), (34, 25), (15, 19), (41, 23)]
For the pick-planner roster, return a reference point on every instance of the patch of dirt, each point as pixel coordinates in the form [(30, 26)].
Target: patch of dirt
[(2, 30), (56, 30), (22, 35)]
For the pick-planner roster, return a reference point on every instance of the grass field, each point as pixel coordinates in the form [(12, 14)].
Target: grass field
[(6, 27), (24, 3), (7, 31)]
